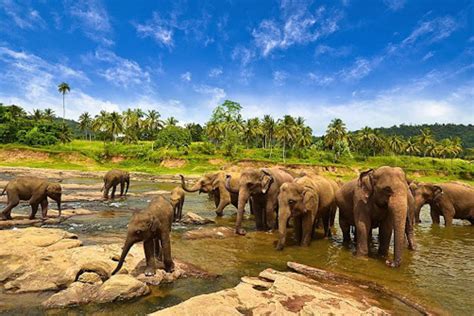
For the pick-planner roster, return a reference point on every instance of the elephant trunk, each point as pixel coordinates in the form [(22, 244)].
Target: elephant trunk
[(243, 198), (125, 250), (398, 206), (196, 187), (228, 187), (58, 201), (283, 216), (127, 182)]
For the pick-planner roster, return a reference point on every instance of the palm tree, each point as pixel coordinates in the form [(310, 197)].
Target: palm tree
[(305, 137), (153, 123), (252, 130), (336, 131), (268, 126), (100, 121), (425, 139), (286, 132), (37, 115), (171, 121), (85, 124), (48, 114), (411, 147), (64, 88), (395, 143), (114, 125)]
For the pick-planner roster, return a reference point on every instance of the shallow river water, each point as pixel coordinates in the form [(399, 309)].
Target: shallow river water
[(440, 274)]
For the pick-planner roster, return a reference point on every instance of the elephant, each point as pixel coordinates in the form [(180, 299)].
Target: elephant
[(32, 189), (152, 226), (215, 183), (452, 200), (306, 199), (262, 187), (378, 198), (114, 178), (177, 201)]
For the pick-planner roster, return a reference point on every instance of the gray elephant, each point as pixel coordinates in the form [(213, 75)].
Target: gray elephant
[(32, 189), (452, 200), (215, 183), (380, 198), (152, 226), (306, 199), (262, 187), (177, 201), (112, 179)]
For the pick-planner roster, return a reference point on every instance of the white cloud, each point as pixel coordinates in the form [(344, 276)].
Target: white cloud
[(299, 26), (215, 95), (215, 72), (23, 16), (93, 19), (427, 56), (394, 5), (279, 77), (243, 54), (158, 29), (360, 69), (431, 31), (186, 76), (320, 80)]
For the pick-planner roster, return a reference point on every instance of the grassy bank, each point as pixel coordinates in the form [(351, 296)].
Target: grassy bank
[(95, 155)]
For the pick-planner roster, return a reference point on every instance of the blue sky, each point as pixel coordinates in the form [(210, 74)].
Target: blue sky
[(370, 63)]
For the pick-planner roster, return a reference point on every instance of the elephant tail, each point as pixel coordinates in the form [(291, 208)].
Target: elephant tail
[(4, 189), (102, 189)]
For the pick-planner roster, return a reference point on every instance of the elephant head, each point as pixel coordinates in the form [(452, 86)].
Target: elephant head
[(142, 226), (294, 200), (54, 191), (387, 188), (175, 198), (252, 182), (204, 184), (425, 193)]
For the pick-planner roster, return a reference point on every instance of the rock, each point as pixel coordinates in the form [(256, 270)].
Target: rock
[(77, 293), (191, 218), (289, 294), (90, 277), (121, 287), (211, 232), (52, 219)]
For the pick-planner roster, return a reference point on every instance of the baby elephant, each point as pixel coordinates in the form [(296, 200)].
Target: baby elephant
[(32, 189), (152, 226), (177, 201), (112, 179)]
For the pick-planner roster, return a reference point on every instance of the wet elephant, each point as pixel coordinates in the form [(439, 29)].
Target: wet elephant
[(378, 198), (152, 226), (261, 187), (112, 179), (177, 201), (306, 199), (32, 189), (452, 200), (215, 183)]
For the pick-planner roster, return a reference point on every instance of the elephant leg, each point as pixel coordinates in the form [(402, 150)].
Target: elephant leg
[(326, 224), (298, 229), (122, 187), (346, 229), (434, 215), (148, 247), (385, 234), (221, 206), (258, 214), (181, 209), (307, 227), (114, 188), (12, 202), (44, 208), (270, 214), (363, 228), (166, 249), (417, 215), (448, 212), (410, 234), (34, 209), (106, 190), (158, 253)]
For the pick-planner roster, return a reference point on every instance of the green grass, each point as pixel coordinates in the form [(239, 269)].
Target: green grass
[(86, 155)]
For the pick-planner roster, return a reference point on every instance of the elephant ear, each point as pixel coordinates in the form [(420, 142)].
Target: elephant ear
[(215, 184), (267, 180), (366, 184), (310, 200), (437, 192)]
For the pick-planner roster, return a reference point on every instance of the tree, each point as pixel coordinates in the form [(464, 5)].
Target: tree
[(173, 136), (425, 140), (268, 127), (114, 125), (152, 124), (286, 132), (336, 138), (85, 124), (251, 130), (171, 121), (64, 88), (305, 137), (395, 144), (411, 147), (195, 130), (48, 114)]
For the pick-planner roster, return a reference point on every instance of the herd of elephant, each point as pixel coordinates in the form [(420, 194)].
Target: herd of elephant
[(380, 198)]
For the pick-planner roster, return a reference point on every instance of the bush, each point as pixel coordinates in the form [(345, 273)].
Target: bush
[(205, 148), (173, 136), (35, 137)]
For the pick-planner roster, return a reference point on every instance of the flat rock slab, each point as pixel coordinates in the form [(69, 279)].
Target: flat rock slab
[(57, 261), (52, 219), (191, 218), (286, 293), (220, 232)]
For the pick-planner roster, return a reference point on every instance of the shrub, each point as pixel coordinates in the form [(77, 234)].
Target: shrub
[(205, 148), (173, 136)]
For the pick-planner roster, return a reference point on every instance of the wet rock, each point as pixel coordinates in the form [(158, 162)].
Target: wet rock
[(121, 287), (52, 219), (288, 294), (191, 218), (90, 277), (211, 232)]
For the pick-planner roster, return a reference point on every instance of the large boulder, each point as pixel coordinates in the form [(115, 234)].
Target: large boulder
[(220, 232), (191, 218)]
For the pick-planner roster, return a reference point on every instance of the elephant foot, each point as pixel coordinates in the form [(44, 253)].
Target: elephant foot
[(149, 271), (240, 231), (31, 217), (278, 245), (5, 217), (169, 267), (393, 264), (219, 214)]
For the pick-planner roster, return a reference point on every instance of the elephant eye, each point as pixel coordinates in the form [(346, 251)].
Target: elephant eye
[(291, 202), (138, 232)]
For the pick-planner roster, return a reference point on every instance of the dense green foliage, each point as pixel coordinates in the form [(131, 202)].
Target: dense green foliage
[(173, 136), (35, 129)]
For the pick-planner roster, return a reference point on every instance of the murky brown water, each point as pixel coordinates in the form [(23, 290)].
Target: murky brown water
[(439, 274)]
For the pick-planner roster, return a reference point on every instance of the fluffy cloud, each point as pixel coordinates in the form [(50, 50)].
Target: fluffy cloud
[(186, 76), (394, 5), (93, 19), (215, 72), (22, 15)]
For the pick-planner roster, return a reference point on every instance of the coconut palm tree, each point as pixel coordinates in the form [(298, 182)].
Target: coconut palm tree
[(64, 88), (48, 114), (85, 124), (304, 137), (100, 121), (171, 121), (153, 123), (395, 144), (411, 147), (268, 127), (114, 125), (251, 130), (335, 132), (37, 115), (286, 132), (425, 139)]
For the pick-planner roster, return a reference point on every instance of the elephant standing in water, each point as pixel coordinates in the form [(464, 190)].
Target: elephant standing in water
[(114, 178), (215, 183), (152, 226), (306, 199), (452, 200), (32, 189), (262, 187), (177, 201), (378, 198)]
